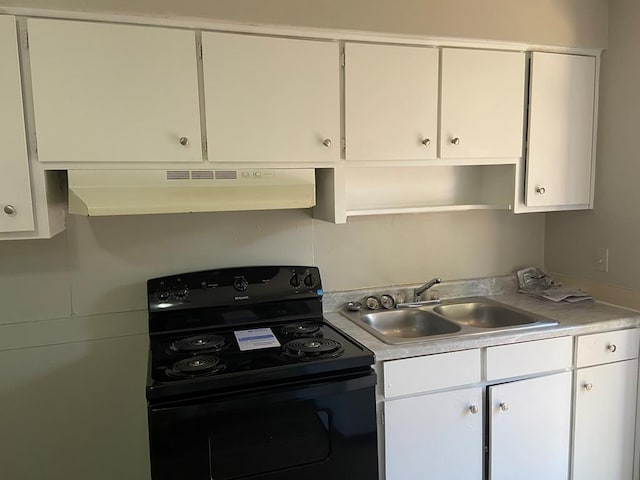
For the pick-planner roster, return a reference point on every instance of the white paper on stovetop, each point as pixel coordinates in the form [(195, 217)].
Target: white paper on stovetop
[(256, 338)]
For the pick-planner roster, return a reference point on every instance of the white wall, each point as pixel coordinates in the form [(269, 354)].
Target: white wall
[(581, 23), (572, 237)]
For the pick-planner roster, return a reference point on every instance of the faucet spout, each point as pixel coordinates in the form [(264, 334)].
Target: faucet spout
[(420, 290)]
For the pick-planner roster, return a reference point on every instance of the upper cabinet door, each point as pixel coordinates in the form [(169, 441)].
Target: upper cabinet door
[(561, 122), (114, 93), (271, 99), (482, 104), (16, 209), (391, 102)]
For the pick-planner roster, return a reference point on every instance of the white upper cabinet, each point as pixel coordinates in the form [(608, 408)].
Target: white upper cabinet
[(482, 104), (391, 102), (271, 99), (114, 93), (561, 129), (16, 209)]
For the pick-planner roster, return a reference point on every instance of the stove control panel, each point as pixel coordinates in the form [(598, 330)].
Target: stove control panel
[(233, 286)]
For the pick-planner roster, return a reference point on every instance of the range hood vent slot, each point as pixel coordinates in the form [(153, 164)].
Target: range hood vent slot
[(201, 174), (226, 174), (135, 192), (178, 175)]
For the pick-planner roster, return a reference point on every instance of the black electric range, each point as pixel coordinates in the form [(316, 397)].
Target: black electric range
[(243, 368)]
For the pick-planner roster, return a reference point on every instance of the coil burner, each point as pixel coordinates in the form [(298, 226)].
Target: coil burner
[(312, 348), (196, 366)]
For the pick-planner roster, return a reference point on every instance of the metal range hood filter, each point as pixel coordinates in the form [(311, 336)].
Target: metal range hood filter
[(134, 192)]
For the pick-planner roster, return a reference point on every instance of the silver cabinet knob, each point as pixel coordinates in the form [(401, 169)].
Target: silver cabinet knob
[(541, 190), (473, 409), (9, 209), (504, 406), (184, 141), (455, 141), (327, 142), (426, 142), (588, 387), (612, 348)]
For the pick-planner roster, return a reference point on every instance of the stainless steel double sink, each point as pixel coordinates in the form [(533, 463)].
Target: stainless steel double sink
[(467, 316)]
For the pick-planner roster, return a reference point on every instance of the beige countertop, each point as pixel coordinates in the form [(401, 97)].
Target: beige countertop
[(573, 319)]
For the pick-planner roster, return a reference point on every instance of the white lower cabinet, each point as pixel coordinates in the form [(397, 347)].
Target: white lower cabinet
[(605, 412), (436, 436), (446, 420), (529, 429)]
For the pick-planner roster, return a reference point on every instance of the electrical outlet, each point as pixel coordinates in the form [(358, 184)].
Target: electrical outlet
[(602, 259)]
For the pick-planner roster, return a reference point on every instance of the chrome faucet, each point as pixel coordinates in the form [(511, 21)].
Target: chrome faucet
[(420, 290)]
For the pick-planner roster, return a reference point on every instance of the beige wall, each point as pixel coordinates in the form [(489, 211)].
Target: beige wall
[(572, 238), (581, 23), (100, 265)]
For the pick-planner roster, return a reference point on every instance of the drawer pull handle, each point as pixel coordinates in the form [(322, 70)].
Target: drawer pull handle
[(612, 348), (504, 406), (588, 387), (473, 409)]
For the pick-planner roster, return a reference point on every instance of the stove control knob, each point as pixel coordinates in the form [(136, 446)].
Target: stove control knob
[(240, 284), (182, 292), (295, 280), (163, 295), (309, 281)]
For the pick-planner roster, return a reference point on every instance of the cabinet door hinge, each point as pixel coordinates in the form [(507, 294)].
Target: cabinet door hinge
[(200, 51), (343, 141), (342, 59), (205, 146), (26, 40)]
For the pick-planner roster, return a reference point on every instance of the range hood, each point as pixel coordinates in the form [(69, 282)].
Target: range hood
[(133, 192)]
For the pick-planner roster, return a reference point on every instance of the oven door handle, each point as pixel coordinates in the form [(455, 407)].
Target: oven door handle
[(194, 408)]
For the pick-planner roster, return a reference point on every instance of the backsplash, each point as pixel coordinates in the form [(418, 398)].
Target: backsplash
[(334, 301)]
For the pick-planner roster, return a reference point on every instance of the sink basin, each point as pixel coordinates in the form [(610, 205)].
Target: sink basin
[(406, 324), (452, 318), (483, 315)]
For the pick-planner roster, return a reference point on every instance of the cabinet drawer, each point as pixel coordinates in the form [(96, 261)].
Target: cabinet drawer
[(607, 347), (432, 372), (529, 358)]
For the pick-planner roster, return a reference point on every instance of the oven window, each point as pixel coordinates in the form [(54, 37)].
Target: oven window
[(265, 440)]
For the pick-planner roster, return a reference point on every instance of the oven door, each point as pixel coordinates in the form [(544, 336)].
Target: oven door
[(310, 430)]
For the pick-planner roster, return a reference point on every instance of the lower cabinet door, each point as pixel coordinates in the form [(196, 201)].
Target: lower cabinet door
[(435, 437), (605, 419), (529, 429)]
